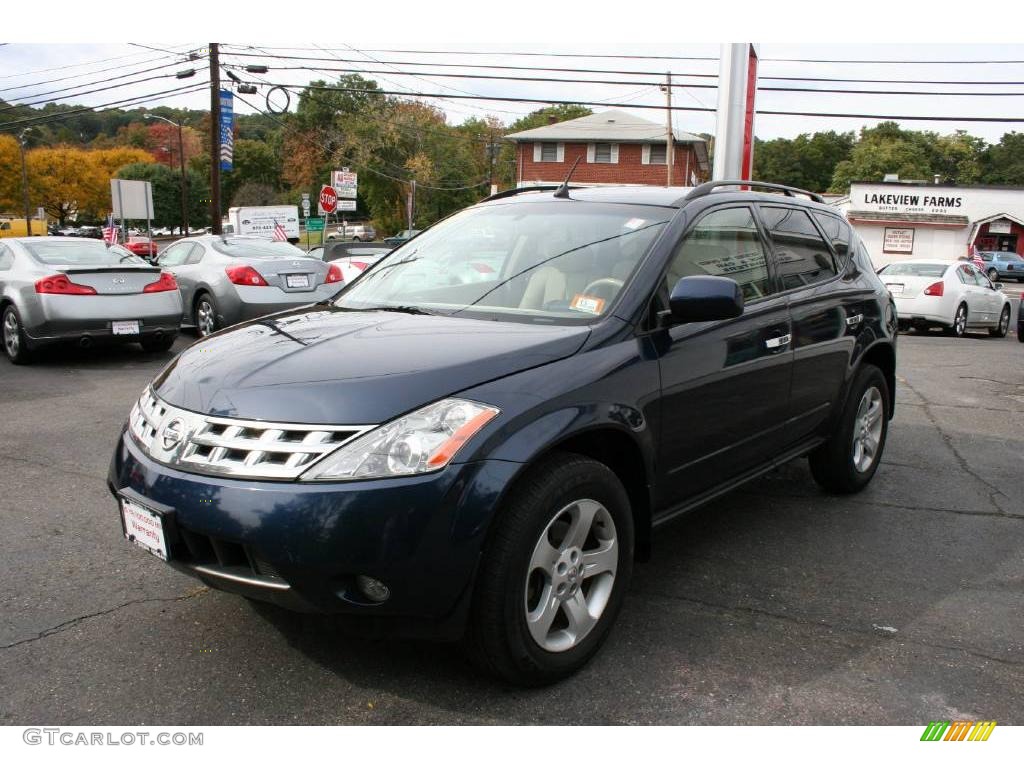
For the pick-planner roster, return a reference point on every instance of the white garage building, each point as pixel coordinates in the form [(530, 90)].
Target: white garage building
[(903, 220)]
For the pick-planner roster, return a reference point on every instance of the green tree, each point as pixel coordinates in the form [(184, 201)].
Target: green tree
[(884, 149), (1003, 163), (808, 161), (166, 190)]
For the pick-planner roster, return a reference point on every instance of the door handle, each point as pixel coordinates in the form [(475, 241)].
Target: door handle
[(778, 341), (855, 320)]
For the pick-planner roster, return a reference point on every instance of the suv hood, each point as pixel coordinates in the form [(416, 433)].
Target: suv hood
[(330, 366)]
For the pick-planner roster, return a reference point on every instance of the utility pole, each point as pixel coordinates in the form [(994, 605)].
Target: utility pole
[(669, 139), (24, 182), (215, 227)]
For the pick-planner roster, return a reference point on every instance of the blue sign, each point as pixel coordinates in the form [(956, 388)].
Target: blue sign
[(227, 130)]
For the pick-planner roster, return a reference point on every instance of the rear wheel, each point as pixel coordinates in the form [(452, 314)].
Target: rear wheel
[(1004, 324), (554, 574), (847, 462), (959, 326), (15, 344), (205, 315)]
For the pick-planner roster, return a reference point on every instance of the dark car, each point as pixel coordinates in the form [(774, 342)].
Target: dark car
[(485, 458), (399, 238)]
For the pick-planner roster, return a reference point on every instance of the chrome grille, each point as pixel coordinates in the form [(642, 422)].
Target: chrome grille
[(228, 447)]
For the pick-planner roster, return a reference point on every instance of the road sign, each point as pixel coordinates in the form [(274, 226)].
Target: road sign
[(305, 207), (328, 199), (314, 225), (345, 183), (346, 205)]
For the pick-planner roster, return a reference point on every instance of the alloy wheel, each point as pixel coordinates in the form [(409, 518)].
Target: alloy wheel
[(867, 430), (1004, 321), (12, 334), (571, 575), (960, 321), (204, 318)]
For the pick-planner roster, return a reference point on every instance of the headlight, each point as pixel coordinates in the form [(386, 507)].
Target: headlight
[(422, 441)]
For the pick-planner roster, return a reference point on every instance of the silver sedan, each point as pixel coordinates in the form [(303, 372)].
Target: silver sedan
[(55, 289), (227, 279)]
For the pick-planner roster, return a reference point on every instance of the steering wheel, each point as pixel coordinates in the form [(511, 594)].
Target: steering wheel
[(610, 282)]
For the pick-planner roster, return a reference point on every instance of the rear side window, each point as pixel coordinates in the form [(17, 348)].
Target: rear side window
[(725, 242), (197, 254), (176, 255), (838, 232), (802, 256), (6, 258)]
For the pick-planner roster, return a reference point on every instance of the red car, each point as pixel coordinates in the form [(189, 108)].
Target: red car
[(141, 246)]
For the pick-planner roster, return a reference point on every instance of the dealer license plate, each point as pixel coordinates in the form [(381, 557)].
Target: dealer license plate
[(125, 327), (297, 281), (145, 527), (896, 289)]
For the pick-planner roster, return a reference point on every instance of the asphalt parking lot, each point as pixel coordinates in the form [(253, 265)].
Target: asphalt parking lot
[(775, 605)]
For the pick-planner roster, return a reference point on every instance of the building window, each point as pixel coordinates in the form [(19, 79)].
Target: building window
[(657, 154), (549, 152), (602, 153)]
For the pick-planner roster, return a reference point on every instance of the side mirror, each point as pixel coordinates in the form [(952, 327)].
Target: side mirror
[(702, 298), (997, 286)]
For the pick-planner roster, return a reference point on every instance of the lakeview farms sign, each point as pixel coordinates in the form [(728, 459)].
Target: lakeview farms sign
[(910, 202)]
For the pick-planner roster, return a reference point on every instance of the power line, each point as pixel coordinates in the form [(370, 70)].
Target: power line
[(646, 84), (128, 102), (13, 105), (637, 72), (72, 66), (79, 75), (520, 99)]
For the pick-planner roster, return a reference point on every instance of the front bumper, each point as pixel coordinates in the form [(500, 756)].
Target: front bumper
[(301, 545)]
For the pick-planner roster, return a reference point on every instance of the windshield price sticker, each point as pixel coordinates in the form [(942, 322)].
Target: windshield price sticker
[(634, 223), (590, 304)]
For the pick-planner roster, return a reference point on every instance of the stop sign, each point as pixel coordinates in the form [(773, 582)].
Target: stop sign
[(328, 199)]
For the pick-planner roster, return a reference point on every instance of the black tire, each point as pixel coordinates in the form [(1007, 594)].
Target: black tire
[(12, 337), (498, 637), (832, 464), (1000, 330), (958, 328), (158, 343), (205, 328)]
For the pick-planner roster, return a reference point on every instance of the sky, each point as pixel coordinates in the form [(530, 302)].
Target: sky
[(23, 72)]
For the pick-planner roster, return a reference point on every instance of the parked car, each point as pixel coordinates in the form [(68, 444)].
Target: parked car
[(355, 258), (486, 459), (142, 246), (360, 233), (1002, 265), (954, 295), (93, 232), (70, 289), (401, 237), (225, 280)]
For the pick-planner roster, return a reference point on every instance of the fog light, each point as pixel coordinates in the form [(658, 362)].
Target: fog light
[(375, 591)]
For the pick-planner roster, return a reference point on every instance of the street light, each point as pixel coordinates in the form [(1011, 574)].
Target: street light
[(184, 180), (24, 182)]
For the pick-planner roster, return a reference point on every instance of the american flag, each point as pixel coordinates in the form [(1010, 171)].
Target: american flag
[(110, 231), (976, 258), (279, 233)]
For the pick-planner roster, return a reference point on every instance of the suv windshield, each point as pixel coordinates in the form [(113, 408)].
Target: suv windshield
[(85, 253), (553, 262), (257, 248)]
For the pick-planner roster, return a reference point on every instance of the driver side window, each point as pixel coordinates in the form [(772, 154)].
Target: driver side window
[(725, 243)]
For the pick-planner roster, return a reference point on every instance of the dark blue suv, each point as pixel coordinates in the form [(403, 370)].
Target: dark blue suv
[(477, 437)]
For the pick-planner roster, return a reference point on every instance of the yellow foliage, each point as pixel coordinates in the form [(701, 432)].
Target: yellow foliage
[(110, 160), (66, 180), (10, 174)]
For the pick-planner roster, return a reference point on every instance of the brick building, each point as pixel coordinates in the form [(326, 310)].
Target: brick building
[(614, 147)]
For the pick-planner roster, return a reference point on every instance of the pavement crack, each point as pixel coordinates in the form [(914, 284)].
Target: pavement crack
[(993, 490), (66, 625), (823, 624)]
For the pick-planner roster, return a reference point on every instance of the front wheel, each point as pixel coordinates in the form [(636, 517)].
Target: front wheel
[(1004, 324), (554, 573), (848, 460)]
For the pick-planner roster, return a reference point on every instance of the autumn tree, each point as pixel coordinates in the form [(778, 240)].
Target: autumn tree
[(10, 175), (67, 182)]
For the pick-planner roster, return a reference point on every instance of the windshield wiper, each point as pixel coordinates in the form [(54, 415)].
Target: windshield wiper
[(409, 310)]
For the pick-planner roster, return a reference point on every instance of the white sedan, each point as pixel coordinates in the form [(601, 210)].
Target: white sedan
[(955, 295)]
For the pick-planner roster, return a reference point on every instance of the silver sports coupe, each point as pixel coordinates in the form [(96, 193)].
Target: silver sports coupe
[(55, 289)]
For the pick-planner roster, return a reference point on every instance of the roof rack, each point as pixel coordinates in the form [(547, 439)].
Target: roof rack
[(519, 190), (709, 186)]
